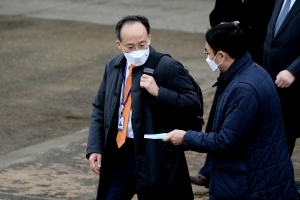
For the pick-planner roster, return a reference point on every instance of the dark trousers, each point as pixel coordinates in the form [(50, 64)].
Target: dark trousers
[(122, 184), (205, 170), (291, 119)]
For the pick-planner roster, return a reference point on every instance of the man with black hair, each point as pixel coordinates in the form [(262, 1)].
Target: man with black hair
[(249, 155), (253, 17), (130, 104)]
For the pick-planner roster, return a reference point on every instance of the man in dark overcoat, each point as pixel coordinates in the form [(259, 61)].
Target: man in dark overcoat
[(282, 61), (150, 168)]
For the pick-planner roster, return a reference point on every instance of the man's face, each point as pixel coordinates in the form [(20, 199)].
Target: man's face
[(209, 52), (220, 58), (134, 37)]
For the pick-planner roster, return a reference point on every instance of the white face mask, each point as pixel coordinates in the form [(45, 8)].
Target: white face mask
[(212, 63), (137, 58)]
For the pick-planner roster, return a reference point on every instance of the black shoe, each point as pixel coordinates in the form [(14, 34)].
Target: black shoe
[(200, 180)]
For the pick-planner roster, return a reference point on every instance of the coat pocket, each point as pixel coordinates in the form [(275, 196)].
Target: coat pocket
[(228, 182)]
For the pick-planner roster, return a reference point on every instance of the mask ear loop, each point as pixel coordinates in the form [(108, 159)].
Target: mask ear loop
[(221, 61), (216, 55)]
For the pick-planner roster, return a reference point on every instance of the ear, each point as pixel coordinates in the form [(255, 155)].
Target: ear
[(118, 43), (223, 54), (150, 39)]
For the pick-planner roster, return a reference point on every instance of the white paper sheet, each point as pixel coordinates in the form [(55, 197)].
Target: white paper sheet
[(155, 136)]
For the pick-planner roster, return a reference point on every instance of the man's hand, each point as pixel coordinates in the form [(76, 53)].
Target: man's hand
[(175, 137), (95, 162), (284, 79), (149, 84)]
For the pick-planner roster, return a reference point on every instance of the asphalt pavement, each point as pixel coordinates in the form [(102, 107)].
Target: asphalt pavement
[(52, 57)]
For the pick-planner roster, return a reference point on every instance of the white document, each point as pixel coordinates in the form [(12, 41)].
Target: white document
[(155, 136)]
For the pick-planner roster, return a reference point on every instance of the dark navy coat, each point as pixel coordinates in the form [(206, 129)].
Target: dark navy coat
[(162, 171), (249, 155)]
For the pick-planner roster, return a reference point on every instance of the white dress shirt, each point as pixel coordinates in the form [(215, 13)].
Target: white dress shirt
[(129, 132)]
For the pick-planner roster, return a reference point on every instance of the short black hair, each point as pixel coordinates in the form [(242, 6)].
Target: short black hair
[(131, 19), (228, 37)]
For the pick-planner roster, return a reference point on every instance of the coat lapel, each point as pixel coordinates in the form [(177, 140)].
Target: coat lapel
[(276, 11), (295, 8)]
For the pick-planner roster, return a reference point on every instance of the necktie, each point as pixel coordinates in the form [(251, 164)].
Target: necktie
[(121, 136), (282, 15)]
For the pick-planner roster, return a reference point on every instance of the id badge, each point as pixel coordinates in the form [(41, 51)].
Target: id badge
[(121, 123)]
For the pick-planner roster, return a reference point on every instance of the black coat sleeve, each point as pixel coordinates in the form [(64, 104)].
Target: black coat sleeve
[(97, 131)]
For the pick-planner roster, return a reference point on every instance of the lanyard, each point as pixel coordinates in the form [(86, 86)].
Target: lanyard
[(123, 93)]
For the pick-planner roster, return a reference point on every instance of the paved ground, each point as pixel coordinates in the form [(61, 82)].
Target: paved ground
[(52, 57)]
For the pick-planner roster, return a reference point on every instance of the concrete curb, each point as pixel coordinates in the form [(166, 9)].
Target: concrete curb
[(29, 153)]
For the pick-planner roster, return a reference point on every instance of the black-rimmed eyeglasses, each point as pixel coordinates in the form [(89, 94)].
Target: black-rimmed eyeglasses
[(207, 53)]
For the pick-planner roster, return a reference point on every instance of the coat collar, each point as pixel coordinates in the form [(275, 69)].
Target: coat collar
[(237, 66)]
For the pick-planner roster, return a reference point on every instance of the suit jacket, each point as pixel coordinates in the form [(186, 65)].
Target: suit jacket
[(282, 51), (253, 16)]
